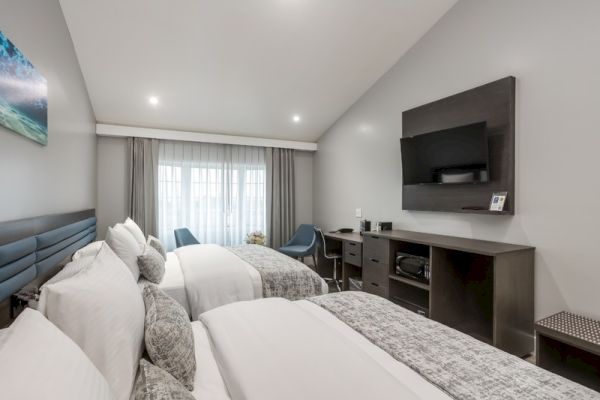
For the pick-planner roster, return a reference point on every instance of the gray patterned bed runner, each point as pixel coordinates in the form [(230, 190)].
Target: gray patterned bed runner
[(282, 276), (460, 365)]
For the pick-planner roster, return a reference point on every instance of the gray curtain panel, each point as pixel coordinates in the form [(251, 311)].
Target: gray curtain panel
[(281, 196), (143, 183)]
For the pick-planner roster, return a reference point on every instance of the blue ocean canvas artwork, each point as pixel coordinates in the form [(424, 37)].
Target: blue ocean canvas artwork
[(23, 94)]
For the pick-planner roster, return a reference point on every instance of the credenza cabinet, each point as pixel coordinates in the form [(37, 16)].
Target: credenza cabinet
[(482, 288)]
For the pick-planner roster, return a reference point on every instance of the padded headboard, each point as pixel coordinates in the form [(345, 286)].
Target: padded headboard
[(31, 248)]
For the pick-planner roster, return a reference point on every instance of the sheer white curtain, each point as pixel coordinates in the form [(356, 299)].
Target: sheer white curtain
[(217, 191)]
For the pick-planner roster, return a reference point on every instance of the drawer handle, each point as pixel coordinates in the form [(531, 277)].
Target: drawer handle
[(352, 254), (351, 244), (375, 284), (374, 260)]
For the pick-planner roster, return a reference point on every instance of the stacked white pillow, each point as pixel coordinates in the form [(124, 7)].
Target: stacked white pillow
[(122, 242), (101, 309), (135, 231), (90, 249), (71, 269), (37, 361)]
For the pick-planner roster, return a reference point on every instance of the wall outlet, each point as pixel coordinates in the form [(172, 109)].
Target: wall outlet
[(358, 213)]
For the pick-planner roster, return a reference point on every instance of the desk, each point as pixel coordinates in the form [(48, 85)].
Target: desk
[(349, 245)]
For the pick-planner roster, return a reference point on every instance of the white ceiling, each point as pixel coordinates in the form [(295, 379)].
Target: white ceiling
[(239, 66)]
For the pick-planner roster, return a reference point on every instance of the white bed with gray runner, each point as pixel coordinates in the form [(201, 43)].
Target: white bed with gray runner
[(353, 345), (205, 276)]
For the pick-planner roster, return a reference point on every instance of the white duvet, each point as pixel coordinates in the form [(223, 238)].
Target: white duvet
[(214, 276), (273, 349)]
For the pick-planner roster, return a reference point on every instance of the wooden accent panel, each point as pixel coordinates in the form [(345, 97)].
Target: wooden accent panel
[(12, 231), (493, 103), (514, 301)]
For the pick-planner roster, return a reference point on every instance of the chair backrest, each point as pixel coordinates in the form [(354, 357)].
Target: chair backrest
[(322, 242), (183, 237), (304, 235)]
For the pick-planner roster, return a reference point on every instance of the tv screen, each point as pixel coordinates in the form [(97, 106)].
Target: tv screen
[(451, 156)]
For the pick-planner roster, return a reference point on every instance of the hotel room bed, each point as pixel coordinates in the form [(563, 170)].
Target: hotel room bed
[(365, 346), (202, 277)]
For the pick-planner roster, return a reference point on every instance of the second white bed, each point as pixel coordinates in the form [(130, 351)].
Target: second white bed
[(203, 277), (210, 383)]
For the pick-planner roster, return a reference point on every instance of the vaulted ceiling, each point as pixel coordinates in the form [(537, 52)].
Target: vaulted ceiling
[(244, 67)]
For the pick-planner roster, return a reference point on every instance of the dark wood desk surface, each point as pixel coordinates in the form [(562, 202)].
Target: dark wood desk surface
[(452, 242), (351, 237)]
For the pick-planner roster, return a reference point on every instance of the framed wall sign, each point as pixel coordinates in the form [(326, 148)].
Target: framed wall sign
[(498, 200)]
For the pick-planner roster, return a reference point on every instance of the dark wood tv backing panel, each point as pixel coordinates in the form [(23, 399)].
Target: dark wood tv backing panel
[(493, 103)]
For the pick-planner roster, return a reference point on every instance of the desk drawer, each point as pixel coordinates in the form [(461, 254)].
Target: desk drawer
[(375, 271), (375, 288), (376, 248), (353, 253)]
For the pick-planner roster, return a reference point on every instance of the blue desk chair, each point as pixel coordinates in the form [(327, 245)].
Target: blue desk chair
[(302, 244), (183, 237)]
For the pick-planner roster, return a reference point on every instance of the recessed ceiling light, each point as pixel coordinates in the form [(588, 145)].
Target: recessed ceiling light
[(296, 118), (153, 100)]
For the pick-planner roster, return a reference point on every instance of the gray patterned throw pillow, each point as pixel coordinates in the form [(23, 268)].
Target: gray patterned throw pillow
[(157, 244), (153, 383), (169, 337), (151, 264)]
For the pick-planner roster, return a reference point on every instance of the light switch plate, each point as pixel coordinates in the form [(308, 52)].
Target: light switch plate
[(358, 213)]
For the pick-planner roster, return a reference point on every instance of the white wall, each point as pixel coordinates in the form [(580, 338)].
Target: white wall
[(61, 177), (552, 48), (112, 183)]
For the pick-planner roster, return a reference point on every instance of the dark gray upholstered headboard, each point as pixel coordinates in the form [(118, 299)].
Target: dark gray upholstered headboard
[(30, 249)]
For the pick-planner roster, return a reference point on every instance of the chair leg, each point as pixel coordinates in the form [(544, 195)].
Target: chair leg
[(337, 283), (314, 262)]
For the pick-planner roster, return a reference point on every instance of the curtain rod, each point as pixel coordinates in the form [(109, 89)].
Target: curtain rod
[(151, 133)]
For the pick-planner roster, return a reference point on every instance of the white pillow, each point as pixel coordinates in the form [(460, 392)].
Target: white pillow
[(102, 310), (68, 271), (89, 250), (135, 231), (122, 242), (37, 361)]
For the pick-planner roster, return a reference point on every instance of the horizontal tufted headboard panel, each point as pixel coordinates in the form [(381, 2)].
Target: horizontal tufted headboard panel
[(31, 248)]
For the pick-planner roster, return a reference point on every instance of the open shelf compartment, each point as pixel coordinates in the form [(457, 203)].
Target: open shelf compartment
[(462, 286)]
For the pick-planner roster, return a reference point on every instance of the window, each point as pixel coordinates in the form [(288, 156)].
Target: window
[(217, 191)]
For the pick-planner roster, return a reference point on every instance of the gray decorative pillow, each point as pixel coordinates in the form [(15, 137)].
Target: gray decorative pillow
[(169, 337), (153, 383), (157, 244), (151, 264)]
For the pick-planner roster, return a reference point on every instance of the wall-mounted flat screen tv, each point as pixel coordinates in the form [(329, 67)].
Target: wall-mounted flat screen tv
[(451, 156)]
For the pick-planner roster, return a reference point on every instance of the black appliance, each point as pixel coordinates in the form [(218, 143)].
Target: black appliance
[(385, 226), (413, 267), (451, 156), (365, 226)]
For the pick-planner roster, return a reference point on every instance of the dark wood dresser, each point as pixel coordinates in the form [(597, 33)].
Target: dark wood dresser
[(482, 288)]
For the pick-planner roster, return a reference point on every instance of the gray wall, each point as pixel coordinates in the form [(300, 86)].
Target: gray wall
[(112, 184), (61, 177), (303, 164), (551, 47)]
